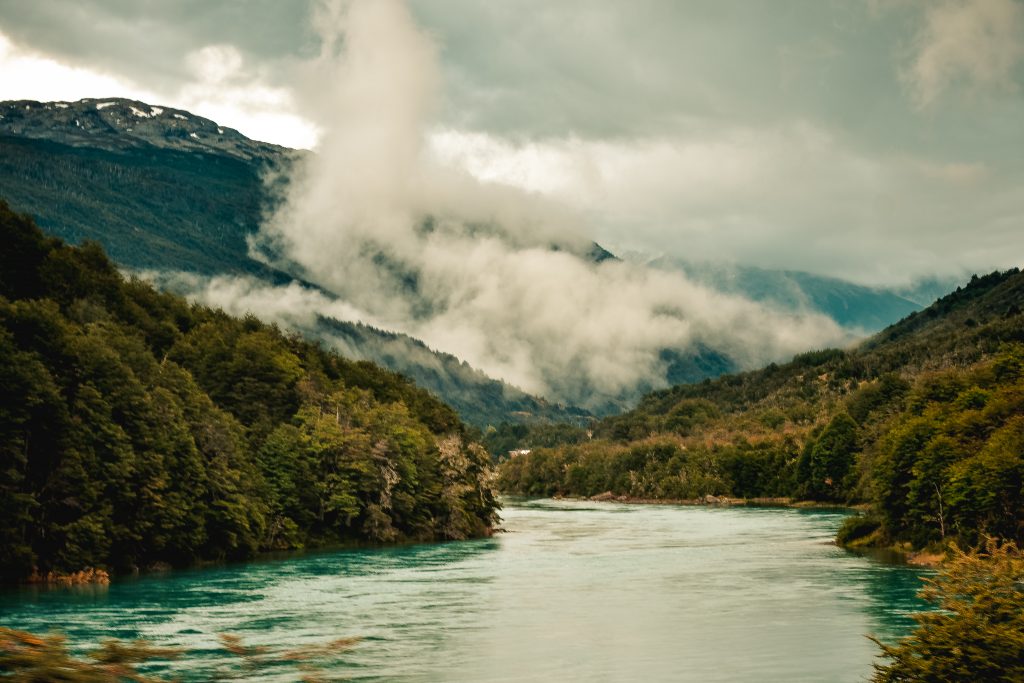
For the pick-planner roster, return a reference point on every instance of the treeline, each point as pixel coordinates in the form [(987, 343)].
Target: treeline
[(925, 421), (136, 429)]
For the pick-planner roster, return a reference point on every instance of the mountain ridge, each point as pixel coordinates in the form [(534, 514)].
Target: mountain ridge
[(142, 199), (118, 124), (163, 189)]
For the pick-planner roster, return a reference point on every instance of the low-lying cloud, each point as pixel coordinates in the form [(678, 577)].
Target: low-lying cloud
[(493, 274)]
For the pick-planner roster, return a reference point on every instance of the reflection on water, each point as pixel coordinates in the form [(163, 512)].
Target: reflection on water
[(573, 592)]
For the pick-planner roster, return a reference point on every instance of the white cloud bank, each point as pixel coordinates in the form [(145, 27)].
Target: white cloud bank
[(491, 273), (791, 196)]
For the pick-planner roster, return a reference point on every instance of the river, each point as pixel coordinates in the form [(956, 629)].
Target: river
[(573, 591)]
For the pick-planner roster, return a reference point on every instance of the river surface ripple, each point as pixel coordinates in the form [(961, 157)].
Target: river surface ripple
[(574, 591)]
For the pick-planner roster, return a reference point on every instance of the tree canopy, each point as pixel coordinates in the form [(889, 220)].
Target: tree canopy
[(137, 429)]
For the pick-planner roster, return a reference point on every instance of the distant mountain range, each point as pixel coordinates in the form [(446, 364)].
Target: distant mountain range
[(163, 189), (865, 309)]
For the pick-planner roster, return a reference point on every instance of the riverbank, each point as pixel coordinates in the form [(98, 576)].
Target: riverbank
[(102, 577), (901, 553), (721, 501), (864, 533), (592, 592)]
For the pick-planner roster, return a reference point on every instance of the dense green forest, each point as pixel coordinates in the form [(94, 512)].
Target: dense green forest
[(136, 429), (925, 421)]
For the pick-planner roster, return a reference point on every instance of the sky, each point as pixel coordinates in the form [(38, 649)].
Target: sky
[(874, 140)]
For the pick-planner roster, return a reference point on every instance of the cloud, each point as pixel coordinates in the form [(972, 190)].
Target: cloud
[(792, 134), (226, 89), (977, 43), (293, 306), (791, 196), (31, 76), (215, 63), (220, 85), (492, 273)]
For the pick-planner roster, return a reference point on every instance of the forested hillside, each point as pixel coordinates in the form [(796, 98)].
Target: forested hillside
[(136, 429), (164, 190), (133, 178), (150, 208), (925, 421)]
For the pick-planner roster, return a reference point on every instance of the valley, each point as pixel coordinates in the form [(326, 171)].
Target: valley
[(450, 340), (184, 211)]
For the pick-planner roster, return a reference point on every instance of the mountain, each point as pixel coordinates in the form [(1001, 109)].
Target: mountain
[(924, 421), (157, 187), (119, 125), (860, 308), (164, 190), (138, 430)]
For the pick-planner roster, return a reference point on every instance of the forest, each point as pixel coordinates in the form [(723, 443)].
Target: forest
[(923, 422), (138, 431)]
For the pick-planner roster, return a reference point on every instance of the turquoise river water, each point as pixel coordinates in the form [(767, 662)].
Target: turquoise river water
[(574, 591)]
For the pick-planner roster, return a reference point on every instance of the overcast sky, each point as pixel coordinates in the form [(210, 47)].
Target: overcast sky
[(877, 140)]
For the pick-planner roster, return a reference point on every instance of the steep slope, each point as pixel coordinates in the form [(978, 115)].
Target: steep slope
[(133, 178), (163, 189), (478, 399), (136, 429), (956, 331)]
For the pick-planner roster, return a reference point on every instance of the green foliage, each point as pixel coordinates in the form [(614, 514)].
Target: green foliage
[(925, 421), (508, 437), (857, 528), (136, 429), (979, 633), (827, 463), (952, 464), (656, 468), (886, 393)]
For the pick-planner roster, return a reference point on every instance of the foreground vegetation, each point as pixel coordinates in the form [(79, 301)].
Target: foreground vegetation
[(924, 421), (978, 634), (137, 430), (28, 658)]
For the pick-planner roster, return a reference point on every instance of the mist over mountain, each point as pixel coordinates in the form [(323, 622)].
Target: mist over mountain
[(861, 308), (373, 233), (179, 208), (170, 194), (468, 266)]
